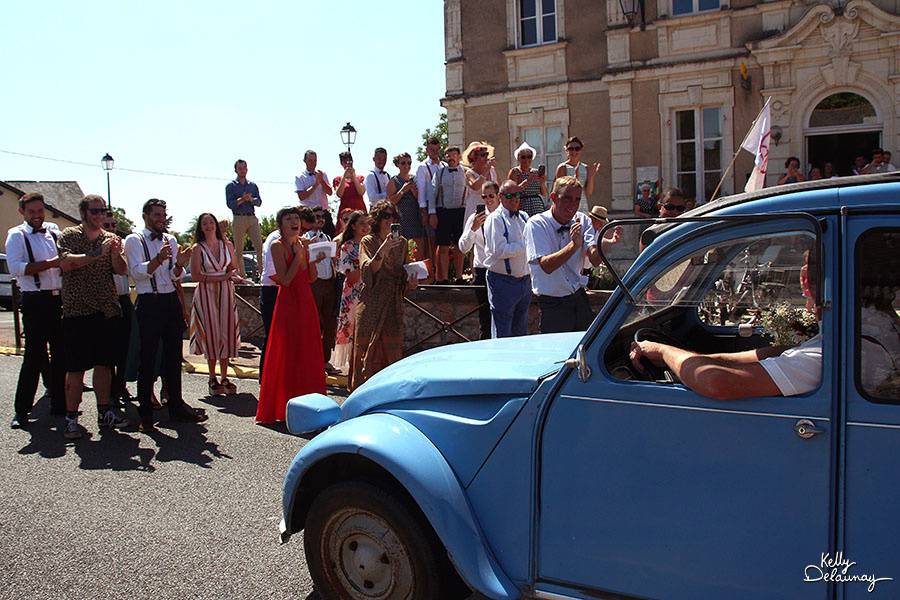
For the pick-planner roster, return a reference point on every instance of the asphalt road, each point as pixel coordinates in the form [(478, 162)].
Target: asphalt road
[(189, 512)]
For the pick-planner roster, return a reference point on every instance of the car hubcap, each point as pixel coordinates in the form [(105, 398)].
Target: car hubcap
[(366, 556)]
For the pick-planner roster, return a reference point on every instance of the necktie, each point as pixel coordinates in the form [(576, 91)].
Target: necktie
[(155, 236), (452, 170), (41, 230)]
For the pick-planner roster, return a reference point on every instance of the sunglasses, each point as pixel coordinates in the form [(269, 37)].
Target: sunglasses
[(512, 195), (345, 219), (528, 156), (390, 215), (481, 154), (486, 196), (675, 207), (573, 148), (98, 211), (405, 162)]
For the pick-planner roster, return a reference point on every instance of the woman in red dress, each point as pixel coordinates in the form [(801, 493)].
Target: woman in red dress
[(294, 361), (349, 187)]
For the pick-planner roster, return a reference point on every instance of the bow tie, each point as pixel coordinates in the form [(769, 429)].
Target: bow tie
[(452, 170), (156, 236), (41, 230), (564, 229), (513, 213)]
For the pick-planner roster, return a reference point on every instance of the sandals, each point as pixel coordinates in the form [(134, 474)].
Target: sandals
[(230, 388), (216, 388)]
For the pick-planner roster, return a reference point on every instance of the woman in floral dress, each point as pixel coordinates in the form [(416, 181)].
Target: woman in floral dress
[(358, 226)]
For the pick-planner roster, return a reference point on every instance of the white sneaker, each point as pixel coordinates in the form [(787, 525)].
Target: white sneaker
[(73, 431)]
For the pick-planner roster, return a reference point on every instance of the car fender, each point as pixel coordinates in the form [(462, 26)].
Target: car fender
[(411, 458)]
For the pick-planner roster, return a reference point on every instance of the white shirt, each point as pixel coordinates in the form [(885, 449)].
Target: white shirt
[(424, 176), (268, 264), (164, 275), (504, 249), (544, 236), (473, 239), (797, 370), (376, 186), (44, 248), (324, 267), (123, 288), (473, 197), (318, 198)]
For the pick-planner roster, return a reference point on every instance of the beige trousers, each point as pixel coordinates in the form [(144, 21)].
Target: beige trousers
[(247, 225)]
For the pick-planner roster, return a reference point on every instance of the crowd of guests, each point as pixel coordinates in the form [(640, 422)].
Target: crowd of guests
[(877, 161), (331, 293)]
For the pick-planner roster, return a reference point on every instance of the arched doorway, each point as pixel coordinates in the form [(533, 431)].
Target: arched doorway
[(841, 127)]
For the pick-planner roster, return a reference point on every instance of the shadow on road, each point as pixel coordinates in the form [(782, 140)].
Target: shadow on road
[(240, 405)]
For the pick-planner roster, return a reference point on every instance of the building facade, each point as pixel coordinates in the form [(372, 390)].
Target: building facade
[(61, 201), (665, 90)]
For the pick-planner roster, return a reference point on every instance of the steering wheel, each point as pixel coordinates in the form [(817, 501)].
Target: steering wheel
[(651, 334)]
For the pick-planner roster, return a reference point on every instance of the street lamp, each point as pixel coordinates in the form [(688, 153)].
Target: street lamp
[(631, 9), (348, 135), (107, 162)]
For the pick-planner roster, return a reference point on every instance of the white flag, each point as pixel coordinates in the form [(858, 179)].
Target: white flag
[(757, 142)]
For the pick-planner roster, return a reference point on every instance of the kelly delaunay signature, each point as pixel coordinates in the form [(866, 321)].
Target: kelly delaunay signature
[(836, 568)]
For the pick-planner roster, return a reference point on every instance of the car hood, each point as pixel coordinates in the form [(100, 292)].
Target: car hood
[(488, 367)]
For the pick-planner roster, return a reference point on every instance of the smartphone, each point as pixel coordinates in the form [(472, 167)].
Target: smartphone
[(350, 163), (395, 230), (541, 170), (479, 208)]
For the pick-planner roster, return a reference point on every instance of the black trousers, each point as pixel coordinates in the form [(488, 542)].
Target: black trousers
[(268, 294), (159, 321), (566, 313), (123, 335), (326, 304), (484, 311), (41, 317)]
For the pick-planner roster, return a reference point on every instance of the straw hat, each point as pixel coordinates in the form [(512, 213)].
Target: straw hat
[(471, 147), (598, 212)]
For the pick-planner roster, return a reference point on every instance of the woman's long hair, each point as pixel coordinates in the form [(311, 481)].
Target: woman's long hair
[(198, 229), (350, 229)]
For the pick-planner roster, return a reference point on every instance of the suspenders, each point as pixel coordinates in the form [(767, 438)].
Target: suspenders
[(37, 280), (377, 180), (506, 235), (147, 257)]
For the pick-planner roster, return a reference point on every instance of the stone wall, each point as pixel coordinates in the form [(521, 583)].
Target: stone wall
[(445, 303)]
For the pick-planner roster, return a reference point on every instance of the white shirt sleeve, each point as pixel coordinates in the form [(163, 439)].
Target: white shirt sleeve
[(16, 255), (797, 370), (134, 254), (537, 242), (467, 239), (423, 183), (371, 186)]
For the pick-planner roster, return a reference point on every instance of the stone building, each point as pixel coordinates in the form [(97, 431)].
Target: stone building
[(61, 199), (668, 88)]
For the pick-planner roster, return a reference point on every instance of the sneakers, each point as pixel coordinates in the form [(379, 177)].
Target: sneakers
[(112, 420), (72, 431)]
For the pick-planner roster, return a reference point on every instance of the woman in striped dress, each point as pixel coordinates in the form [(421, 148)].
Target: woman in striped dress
[(215, 330)]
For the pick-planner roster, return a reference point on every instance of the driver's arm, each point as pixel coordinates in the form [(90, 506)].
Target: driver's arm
[(721, 377)]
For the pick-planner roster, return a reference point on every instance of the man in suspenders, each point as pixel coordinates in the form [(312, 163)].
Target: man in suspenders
[(446, 209), (155, 264), (34, 261), (424, 176), (377, 179)]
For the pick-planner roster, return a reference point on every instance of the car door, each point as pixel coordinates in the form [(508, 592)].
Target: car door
[(653, 491), (871, 527)]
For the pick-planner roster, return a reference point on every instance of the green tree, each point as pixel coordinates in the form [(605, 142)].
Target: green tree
[(439, 131), (123, 223)]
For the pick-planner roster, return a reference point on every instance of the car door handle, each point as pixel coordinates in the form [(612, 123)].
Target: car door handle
[(807, 429)]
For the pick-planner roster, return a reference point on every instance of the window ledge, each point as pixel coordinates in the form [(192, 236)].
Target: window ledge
[(539, 49)]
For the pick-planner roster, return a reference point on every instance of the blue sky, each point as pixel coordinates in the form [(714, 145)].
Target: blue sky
[(188, 87)]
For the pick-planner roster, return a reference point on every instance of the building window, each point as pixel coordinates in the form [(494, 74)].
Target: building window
[(537, 22), (698, 152), (548, 143), (686, 7)]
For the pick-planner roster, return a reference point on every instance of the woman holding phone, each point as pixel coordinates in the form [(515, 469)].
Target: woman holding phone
[(402, 192), (534, 181), (378, 330)]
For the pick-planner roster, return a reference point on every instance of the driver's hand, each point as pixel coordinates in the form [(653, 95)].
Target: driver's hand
[(652, 351)]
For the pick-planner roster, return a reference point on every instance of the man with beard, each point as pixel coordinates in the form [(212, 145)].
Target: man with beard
[(155, 264), (33, 260)]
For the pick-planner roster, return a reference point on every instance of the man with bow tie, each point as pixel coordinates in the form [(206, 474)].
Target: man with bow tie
[(33, 260), (155, 263), (312, 185), (446, 210), (557, 241), (508, 277), (377, 179)]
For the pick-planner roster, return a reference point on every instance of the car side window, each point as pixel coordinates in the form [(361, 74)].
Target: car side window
[(877, 301)]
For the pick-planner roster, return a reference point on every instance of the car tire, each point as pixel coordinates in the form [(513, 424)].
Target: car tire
[(363, 543)]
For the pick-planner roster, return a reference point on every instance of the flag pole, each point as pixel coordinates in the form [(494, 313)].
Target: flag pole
[(738, 151)]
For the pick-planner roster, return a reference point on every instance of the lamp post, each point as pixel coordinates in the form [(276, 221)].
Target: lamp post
[(348, 135), (631, 9), (107, 162)]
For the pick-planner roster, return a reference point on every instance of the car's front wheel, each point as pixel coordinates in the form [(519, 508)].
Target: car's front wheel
[(363, 543)]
